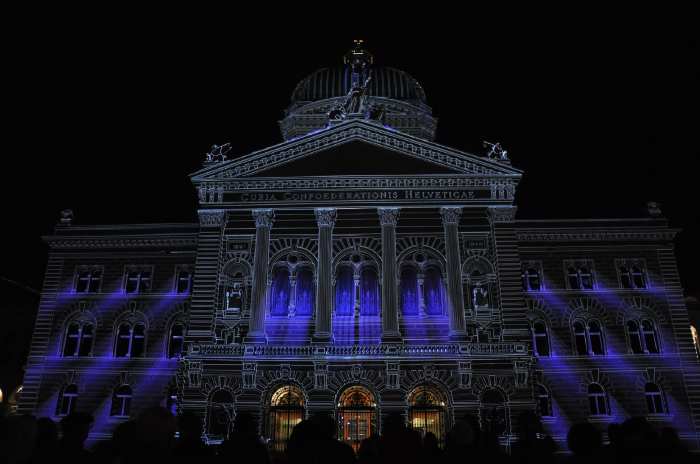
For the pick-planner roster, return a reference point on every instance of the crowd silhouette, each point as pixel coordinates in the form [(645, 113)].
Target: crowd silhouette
[(156, 436)]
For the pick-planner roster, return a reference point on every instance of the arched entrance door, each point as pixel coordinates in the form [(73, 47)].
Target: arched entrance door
[(220, 415), (286, 411), (357, 415), (427, 411), (494, 412)]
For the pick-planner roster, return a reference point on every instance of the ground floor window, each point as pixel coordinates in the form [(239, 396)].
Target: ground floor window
[(357, 415), (426, 412), (286, 411)]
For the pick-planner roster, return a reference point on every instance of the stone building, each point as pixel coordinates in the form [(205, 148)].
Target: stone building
[(359, 268)]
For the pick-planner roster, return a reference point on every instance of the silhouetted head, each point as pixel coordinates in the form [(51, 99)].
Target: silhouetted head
[(156, 426), (245, 425), (461, 436), (75, 428), (190, 426), (394, 424), (47, 433), (638, 434), (584, 439), (325, 425), (430, 441), (615, 434)]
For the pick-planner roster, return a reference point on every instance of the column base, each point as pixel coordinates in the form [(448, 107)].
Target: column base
[(322, 338), (255, 339), (389, 338)]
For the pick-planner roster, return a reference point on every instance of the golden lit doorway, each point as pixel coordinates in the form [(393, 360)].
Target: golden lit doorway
[(357, 415), (286, 411), (427, 412)]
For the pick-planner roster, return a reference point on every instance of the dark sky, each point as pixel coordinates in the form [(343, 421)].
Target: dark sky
[(109, 121)]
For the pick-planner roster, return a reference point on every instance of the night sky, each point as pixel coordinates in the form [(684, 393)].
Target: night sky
[(109, 121)]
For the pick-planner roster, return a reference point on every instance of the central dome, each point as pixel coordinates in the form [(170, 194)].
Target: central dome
[(358, 89), (336, 82)]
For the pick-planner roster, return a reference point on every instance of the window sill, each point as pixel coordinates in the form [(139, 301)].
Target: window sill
[(601, 419), (659, 417)]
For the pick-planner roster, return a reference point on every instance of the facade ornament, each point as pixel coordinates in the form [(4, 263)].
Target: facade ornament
[(388, 216), (496, 151), (450, 214), (654, 209), (263, 217), (393, 376), (501, 214), (218, 153), (325, 217), (249, 377), (66, 218), (211, 217)]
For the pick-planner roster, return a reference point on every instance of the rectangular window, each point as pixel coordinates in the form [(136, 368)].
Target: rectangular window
[(183, 281), (88, 280), (138, 281)]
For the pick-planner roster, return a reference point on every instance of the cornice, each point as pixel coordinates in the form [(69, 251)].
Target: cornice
[(534, 235), (58, 242)]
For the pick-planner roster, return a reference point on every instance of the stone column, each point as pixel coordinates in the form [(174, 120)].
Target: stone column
[(390, 312), (325, 218), (259, 299), (455, 299)]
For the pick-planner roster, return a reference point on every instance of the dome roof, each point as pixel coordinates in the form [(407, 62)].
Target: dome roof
[(336, 82)]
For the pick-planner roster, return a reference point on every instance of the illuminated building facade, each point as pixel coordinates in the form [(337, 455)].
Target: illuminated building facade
[(359, 268)]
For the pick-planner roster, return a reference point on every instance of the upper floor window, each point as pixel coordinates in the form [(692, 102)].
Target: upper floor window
[(67, 400), (121, 401), (544, 401), (79, 337), (540, 338), (183, 281), (580, 278), (642, 336), (177, 340), (588, 337), (655, 399), (598, 400), (138, 280), (632, 273), (531, 279), (131, 340), (88, 280)]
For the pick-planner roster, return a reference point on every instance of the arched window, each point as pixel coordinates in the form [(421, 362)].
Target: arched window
[(280, 292), (131, 340), (183, 281), (634, 337), (67, 399), (426, 411), (580, 338), (595, 335), (176, 341), (220, 414), (305, 297), (235, 288), (531, 280), (121, 401), (79, 337), (410, 301), (369, 292), (544, 401), (597, 400), (479, 291), (655, 399), (434, 292), (286, 411), (540, 338), (651, 344), (357, 411)]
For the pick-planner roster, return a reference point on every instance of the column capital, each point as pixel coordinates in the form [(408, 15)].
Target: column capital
[(263, 217), (211, 217), (325, 216), (388, 216), (450, 214), (502, 213)]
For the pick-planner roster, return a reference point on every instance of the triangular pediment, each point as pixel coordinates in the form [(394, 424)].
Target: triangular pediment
[(355, 147)]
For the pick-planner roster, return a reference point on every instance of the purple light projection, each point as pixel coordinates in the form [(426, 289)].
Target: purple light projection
[(279, 303), (434, 292), (369, 293), (409, 292), (305, 293), (343, 292)]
